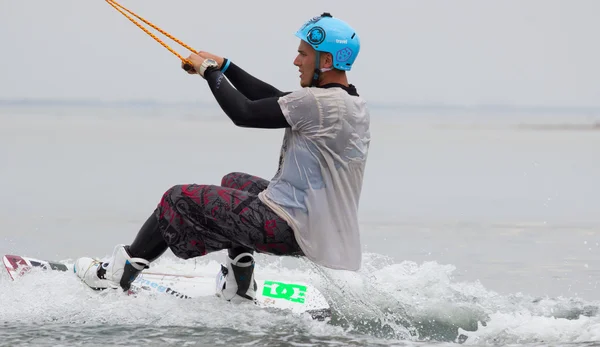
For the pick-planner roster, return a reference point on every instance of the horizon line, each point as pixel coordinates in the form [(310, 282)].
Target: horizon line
[(391, 105)]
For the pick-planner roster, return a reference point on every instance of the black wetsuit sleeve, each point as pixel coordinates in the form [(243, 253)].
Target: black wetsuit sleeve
[(250, 86), (262, 113)]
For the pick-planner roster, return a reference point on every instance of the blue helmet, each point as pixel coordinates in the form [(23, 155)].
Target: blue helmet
[(327, 34)]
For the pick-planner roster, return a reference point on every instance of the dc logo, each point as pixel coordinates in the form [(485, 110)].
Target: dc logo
[(286, 291), (343, 54), (316, 35)]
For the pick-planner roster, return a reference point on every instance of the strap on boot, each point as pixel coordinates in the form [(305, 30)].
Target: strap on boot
[(243, 275)]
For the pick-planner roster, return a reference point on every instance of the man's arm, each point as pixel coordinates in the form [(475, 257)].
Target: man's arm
[(250, 86), (244, 112)]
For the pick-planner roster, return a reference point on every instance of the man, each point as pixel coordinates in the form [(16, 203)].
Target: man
[(309, 208)]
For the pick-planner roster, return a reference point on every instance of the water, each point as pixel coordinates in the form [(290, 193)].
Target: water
[(478, 227)]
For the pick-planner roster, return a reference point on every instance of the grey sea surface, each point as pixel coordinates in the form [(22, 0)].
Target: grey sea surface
[(479, 227)]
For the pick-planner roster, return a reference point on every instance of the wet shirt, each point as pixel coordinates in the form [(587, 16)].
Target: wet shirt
[(318, 184)]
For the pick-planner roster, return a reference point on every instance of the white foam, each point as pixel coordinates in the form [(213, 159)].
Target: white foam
[(381, 300)]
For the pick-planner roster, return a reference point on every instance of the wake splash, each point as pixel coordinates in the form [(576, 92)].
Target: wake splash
[(416, 302), (384, 303)]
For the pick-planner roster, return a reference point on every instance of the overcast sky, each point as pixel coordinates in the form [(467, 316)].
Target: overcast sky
[(518, 52)]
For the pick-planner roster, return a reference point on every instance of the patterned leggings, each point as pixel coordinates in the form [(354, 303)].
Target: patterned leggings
[(199, 219)]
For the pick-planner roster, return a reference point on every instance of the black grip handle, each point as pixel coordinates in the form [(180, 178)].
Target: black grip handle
[(188, 67)]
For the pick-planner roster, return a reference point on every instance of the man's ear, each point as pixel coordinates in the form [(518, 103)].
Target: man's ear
[(328, 63)]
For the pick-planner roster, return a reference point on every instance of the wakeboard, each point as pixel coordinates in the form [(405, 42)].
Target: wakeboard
[(297, 297)]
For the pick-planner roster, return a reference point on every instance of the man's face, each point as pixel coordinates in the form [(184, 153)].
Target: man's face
[(305, 61)]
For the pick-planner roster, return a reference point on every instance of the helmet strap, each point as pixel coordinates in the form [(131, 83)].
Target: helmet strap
[(317, 73)]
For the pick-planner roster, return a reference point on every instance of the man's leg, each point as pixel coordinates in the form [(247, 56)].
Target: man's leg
[(149, 243), (199, 219), (248, 183), (245, 182), (194, 220)]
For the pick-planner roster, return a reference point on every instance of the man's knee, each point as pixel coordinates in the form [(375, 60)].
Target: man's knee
[(190, 192), (171, 193), (230, 180), (178, 191), (164, 208)]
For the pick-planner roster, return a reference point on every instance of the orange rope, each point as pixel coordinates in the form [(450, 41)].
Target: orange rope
[(121, 9)]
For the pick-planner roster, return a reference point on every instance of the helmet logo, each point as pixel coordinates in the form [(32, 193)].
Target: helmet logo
[(313, 20), (315, 36), (343, 54)]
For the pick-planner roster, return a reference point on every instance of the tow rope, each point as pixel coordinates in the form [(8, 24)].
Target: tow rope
[(124, 11)]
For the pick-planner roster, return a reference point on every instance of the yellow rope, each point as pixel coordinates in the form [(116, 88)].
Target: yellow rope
[(122, 9)]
